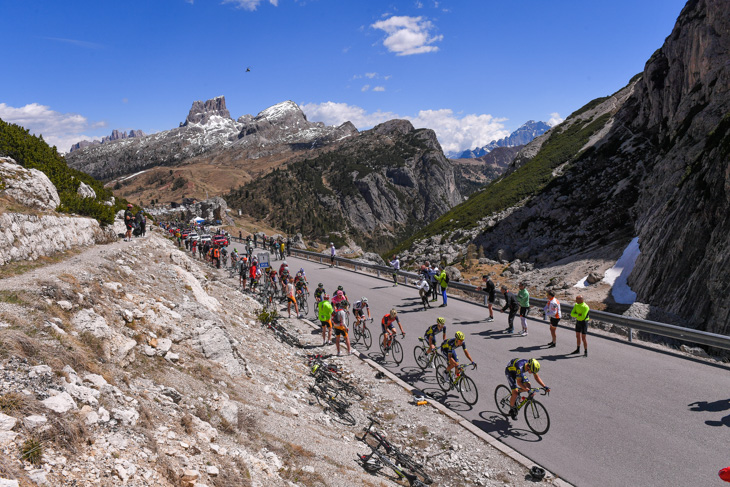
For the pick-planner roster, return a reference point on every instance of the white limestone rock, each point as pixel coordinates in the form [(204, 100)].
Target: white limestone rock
[(29, 187), (60, 403)]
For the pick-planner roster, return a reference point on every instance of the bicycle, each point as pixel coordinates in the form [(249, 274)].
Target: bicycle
[(427, 358), (536, 415), (391, 452), (360, 330), (327, 398), (302, 303), (465, 384), (326, 373), (394, 347)]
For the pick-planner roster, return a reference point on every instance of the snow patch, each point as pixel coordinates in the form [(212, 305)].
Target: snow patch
[(133, 175), (617, 275)]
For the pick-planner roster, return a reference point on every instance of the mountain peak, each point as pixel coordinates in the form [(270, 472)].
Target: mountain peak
[(201, 112), (281, 111)]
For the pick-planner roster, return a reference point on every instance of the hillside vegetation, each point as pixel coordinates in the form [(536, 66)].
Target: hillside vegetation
[(33, 152)]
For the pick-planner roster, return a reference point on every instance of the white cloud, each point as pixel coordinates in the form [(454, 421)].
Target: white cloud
[(408, 35), (555, 119), (379, 88), (371, 75), (250, 4), (454, 133), (365, 88), (59, 129)]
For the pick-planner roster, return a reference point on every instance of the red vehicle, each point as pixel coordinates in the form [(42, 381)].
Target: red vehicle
[(220, 240)]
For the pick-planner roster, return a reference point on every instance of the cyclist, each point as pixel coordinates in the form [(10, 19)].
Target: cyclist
[(339, 300), (448, 349), (516, 372), (224, 257), (234, 257), (300, 281), (359, 308), (319, 293), (273, 279), (389, 328), (324, 309), (340, 328), (433, 330), (284, 271), (291, 299)]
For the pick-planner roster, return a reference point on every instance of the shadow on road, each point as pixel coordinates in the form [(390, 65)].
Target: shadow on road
[(713, 407), (562, 356), (527, 349), (500, 427)]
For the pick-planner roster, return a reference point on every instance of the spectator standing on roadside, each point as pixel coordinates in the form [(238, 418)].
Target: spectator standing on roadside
[(291, 299), (423, 291), (523, 299), (288, 246), (333, 252), (552, 312), (443, 281), (511, 304), (432, 273), (395, 264), (324, 309), (254, 240), (490, 289), (129, 222), (580, 313)]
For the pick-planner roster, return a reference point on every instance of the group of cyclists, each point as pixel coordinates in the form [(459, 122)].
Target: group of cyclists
[(333, 312)]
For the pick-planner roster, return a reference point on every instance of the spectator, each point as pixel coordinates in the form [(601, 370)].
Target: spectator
[(423, 291), (443, 281), (395, 264), (288, 246), (580, 313), (291, 299), (332, 254), (490, 289), (324, 309), (523, 299), (128, 222), (552, 312), (432, 273), (510, 303)]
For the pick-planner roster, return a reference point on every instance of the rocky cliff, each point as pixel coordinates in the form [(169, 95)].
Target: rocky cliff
[(376, 187), (654, 165), (210, 135), (115, 135), (472, 174), (523, 135)]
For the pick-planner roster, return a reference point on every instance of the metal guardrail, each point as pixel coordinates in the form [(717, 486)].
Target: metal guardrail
[(662, 329)]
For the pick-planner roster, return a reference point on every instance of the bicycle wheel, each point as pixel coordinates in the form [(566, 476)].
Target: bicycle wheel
[(304, 306), (444, 381), (502, 395), (468, 390), (537, 417), (421, 356), (397, 350), (408, 463), (439, 359), (344, 416), (380, 342), (367, 338)]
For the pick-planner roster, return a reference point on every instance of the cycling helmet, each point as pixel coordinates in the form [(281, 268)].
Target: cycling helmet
[(331, 243), (393, 313), (364, 299), (320, 285), (460, 335), (326, 297), (340, 288), (441, 321), (301, 269), (534, 365), (339, 293)]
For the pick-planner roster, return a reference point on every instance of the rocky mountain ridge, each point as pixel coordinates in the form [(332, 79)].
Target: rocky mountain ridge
[(523, 135), (472, 174), (208, 134), (376, 186), (654, 165), (115, 135)]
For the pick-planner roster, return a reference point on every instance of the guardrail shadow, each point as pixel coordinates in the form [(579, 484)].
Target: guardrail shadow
[(712, 407)]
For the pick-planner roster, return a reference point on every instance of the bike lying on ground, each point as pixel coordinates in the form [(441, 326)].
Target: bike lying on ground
[(360, 330), (536, 415), (465, 385), (427, 358), (383, 453), (329, 373), (329, 398)]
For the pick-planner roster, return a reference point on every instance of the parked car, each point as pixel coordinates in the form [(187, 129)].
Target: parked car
[(192, 236), (221, 240), (204, 238)]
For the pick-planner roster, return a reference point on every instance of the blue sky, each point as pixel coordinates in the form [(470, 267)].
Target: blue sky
[(472, 70)]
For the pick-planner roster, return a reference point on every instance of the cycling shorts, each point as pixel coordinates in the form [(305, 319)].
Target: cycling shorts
[(450, 353), (358, 313), (390, 327), (581, 327), (340, 331), (512, 379), (291, 299), (326, 324), (554, 321)]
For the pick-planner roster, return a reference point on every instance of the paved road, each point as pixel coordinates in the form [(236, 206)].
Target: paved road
[(626, 415)]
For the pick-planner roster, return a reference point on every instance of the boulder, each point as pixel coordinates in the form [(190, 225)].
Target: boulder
[(29, 187), (60, 403), (86, 191), (453, 273)]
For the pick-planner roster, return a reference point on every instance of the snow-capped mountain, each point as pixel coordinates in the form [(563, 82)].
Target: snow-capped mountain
[(207, 131), (523, 135)]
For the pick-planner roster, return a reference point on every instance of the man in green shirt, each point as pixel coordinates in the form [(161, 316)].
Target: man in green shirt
[(523, 299), (580, 313), (325, 318)]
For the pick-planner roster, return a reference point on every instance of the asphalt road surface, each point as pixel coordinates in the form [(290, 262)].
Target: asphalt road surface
[(626, 415)]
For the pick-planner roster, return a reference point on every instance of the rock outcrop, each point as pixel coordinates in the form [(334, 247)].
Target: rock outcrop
[(202, 112), (29, 187), (523, 135), (115, 135)]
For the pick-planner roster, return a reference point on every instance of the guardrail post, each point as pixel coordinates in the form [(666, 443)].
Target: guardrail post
[(631, 335)]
